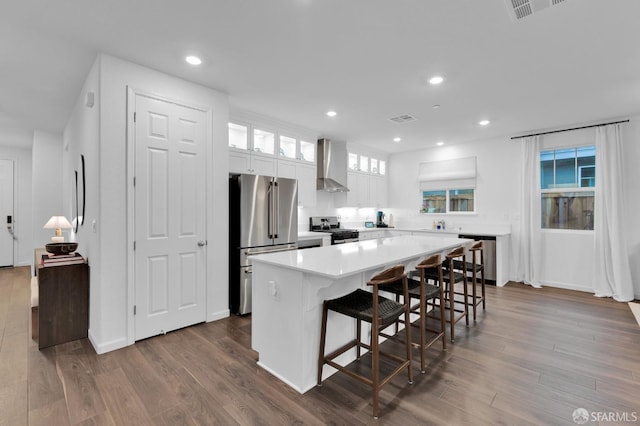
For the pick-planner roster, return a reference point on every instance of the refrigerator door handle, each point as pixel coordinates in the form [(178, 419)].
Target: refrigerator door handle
[(276, 210), (270, 210)]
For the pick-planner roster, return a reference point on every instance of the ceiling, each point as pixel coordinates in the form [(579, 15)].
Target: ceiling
[(369, 60)]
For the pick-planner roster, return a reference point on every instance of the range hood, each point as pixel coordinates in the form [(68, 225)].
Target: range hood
[(330, 169)]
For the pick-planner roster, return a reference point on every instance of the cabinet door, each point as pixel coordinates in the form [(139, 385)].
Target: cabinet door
[(287, 169), (263, 165), (358, 195), (377, 191), (306, 175), (239, 162)]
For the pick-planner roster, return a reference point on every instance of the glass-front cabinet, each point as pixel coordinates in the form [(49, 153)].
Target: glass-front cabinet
[(263, 147), (292, 148)]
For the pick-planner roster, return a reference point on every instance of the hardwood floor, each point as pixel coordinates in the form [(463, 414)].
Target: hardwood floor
[(533, 357)]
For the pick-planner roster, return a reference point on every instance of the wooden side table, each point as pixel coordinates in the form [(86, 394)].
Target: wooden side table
[(63, 311)]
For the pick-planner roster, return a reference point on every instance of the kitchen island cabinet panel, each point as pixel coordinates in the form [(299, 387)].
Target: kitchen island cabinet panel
[(289, 288)]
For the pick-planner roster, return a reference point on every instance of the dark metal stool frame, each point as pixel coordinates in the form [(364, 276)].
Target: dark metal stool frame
[(367, 306), (422, 291), (451, 277), (473, 267)]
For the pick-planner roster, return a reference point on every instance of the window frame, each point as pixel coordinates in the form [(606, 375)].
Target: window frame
[(447, 192), (566, 189)]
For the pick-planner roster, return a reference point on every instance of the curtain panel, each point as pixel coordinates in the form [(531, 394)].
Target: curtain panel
[(612, 272)]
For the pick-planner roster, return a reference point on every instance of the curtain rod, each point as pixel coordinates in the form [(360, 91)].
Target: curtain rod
[(567, 130)]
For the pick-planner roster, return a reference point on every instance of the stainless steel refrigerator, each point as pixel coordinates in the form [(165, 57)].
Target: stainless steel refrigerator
[(263, 218)]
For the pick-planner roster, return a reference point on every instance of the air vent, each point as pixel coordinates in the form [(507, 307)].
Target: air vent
[(519, 9), (404, 118)]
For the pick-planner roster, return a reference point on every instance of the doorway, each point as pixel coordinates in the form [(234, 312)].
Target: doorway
[(6, 213), (169, 214)]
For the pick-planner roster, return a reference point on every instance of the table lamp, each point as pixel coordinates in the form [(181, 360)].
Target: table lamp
[(58, 223)]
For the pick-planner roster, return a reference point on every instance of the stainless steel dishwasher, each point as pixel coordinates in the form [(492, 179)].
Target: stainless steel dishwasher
[(489, 248)]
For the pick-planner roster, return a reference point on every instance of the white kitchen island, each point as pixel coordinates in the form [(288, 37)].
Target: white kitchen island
[(289, 288)]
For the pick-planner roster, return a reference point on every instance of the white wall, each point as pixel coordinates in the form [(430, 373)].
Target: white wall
[(82, 137), (23, 200), (567, 255), (47, 184), (110, 330), (496, 190)]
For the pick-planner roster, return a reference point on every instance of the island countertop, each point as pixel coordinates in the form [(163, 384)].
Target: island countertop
[(339, 261), (289, 289)]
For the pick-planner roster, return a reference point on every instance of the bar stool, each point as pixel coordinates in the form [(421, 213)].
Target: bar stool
[(380, 312), (422, 291), (450, 277), (475, 267)]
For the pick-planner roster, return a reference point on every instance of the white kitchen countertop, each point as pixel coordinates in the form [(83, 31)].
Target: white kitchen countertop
[(489, 230), (342, 260), (307, 235)]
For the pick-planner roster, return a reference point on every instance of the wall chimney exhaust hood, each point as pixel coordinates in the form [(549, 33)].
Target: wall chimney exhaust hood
[(330, 168)]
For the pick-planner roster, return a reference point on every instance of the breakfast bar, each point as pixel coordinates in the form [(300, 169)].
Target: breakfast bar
[(289, 288)]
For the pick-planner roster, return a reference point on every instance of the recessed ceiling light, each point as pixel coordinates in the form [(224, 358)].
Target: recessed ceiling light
[(193, 60), (332, 113), (436, 79), (484, 122), (440, 143), (436, 106), (396, 140)]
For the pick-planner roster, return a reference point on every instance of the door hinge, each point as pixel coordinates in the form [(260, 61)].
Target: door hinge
[(134, 116), (134, 309), (134, 245), (134, 181)]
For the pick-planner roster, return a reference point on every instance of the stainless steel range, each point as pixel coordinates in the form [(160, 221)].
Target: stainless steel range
[(330, 224)]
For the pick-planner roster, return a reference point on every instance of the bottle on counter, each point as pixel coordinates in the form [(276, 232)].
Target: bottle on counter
[(433, 226), (391, 221)]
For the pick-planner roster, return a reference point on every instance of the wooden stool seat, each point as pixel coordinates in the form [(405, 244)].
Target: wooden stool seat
[(475, 267), (450, 276), (423, 292), (380, 312)]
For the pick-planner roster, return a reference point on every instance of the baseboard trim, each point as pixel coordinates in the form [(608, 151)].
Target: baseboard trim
[(567, 286), (214, 316), (102, 348)]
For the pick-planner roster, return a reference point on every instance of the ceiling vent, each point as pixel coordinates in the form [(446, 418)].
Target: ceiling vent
[(519, 9), (404, 118)]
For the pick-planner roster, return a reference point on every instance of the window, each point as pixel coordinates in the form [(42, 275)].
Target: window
[(567, 179), (383, 167), (448, 201)]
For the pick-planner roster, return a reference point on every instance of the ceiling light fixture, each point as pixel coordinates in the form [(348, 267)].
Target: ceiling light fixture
[(332, 113), (396, 140), (436, 106), (440, 143), (484, 122), (436, 79), (193, 60)]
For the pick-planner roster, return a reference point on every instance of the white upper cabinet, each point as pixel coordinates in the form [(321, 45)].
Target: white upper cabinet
[(251, 150), (264, 147), (366, 180), (292, 148)]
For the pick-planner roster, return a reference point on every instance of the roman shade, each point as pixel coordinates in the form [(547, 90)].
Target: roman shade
[(447, 174)]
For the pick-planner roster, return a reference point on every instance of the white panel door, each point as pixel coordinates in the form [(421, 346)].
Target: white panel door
[(169, 216), (6, 213)]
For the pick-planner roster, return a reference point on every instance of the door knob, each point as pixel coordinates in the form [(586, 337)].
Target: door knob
[(202, 243)]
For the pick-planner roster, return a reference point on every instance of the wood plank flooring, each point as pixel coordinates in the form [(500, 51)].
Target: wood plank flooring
[(533, 357)]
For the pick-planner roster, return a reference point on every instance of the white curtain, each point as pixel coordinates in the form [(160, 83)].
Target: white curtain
[(612, 273), (529, 253)]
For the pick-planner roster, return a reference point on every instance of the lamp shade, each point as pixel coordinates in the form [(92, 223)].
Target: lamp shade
[(57, 222)]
